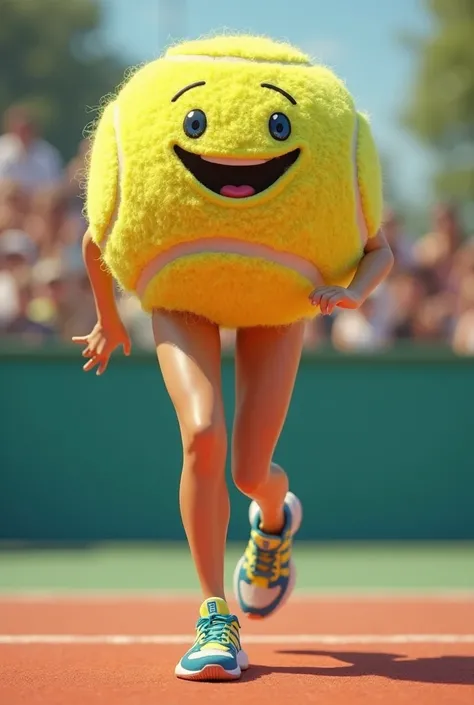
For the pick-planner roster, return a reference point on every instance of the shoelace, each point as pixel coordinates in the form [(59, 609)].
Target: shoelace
[(263, 563), (217, 628)]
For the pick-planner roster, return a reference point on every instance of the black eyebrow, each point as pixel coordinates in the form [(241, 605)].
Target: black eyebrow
[(187, 88), (279, 90)]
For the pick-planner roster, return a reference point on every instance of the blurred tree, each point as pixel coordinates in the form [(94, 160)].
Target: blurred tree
[(53, 57), (441, 106), (390, 190)]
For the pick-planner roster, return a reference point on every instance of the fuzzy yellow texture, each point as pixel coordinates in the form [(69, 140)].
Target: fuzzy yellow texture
[(309, 212), (269, 288), (102, 187), (244, 46), (370, 177)]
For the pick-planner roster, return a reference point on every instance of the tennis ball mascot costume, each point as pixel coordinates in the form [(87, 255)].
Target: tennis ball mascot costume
[(231, 183)]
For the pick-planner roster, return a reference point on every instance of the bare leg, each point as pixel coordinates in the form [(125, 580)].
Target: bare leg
[(189, 354), (267, 361)]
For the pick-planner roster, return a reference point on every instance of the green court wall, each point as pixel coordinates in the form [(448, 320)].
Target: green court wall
[(377, 447)]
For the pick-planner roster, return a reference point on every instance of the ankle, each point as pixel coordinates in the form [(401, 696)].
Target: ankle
[(272, 523), (214, 595)]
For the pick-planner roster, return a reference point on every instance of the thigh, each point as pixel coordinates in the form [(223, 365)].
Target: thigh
[(267, 361), (189, 354)]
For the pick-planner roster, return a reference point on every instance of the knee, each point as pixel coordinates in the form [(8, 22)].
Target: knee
[(205, 446)]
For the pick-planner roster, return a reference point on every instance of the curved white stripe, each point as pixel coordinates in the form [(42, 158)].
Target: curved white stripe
[(232, 59), (223, 245), (117, 138), (360, 217)]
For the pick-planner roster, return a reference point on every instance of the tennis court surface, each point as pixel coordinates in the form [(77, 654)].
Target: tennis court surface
[(368, 624)]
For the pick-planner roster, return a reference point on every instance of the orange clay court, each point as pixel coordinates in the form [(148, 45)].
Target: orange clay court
[(95, 646)]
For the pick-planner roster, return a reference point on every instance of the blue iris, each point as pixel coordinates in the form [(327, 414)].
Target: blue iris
[(279, 126), (195, 124)]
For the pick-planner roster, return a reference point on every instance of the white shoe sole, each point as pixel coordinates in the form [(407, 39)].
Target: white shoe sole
[(212, 672), (282, 603), (296, 510)]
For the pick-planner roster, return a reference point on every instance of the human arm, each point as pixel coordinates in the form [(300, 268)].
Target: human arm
[(373, 268), (109, 331)]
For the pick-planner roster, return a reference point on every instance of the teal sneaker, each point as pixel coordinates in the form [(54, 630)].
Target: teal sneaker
[(216, 655), (265, 575)]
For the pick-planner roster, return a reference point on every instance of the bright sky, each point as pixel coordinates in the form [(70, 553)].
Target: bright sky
[(357, 38)]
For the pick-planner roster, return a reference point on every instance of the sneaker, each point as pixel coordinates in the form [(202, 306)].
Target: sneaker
[(216, 654), (265, 575)]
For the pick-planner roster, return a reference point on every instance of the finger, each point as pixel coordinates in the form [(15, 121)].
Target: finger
[(330, 296), (101, 346), (103, 366), (315, 297), (334, 301), (80, 340), (324, 303), (92, 363), (94, 342), (89, 351), (127, 347)]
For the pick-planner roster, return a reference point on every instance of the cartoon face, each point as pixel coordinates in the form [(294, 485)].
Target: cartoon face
[(229, 176), (233, 151)]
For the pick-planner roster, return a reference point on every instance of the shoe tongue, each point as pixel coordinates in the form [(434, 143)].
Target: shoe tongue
[(266, 542), (214, 605)]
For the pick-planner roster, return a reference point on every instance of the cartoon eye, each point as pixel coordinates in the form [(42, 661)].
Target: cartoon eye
[(279, 126), (195, 124)]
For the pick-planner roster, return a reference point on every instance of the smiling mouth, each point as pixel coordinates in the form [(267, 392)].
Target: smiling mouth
[(236, 178)]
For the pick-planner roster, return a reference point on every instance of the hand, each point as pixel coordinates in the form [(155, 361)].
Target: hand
[(101, 343), (330, 297)]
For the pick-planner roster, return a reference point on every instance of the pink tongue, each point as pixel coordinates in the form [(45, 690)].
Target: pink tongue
[(237, 191)]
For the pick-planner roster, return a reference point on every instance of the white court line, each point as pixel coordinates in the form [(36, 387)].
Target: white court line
[(327, 595), (270, 639)]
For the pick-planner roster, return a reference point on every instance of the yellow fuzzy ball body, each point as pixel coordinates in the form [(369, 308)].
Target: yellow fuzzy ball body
[(157, 198)]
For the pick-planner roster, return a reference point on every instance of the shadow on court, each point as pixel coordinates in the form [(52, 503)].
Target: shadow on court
[(449, 670)]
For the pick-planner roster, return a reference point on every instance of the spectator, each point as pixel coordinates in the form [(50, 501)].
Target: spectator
[(45, 293), (9, 300), (17, 252), (31, 323), (50, 223), (74, 177), (431, 319), (76, 317), (401, 247), (363, 329), (13, 205), (17, 255), (24, 156), (463, 328), (437, 249)]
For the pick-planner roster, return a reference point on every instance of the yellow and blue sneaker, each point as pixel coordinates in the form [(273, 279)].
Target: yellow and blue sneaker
[(216, 655), (265, 575)]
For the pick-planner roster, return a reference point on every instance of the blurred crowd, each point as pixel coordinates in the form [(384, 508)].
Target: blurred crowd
[(45, 294)]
